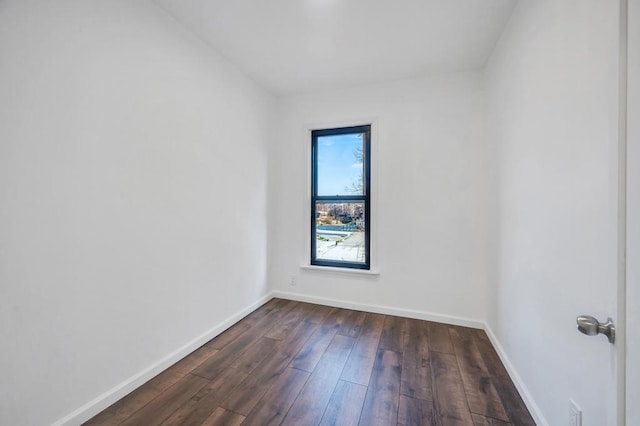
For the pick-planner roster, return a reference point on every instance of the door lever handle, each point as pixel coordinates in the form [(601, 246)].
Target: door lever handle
[(590, 326)]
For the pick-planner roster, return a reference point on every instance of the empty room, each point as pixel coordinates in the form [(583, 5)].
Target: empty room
[(320, 212)]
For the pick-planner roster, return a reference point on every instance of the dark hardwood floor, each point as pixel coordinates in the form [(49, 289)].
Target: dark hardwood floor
[(294, 363)]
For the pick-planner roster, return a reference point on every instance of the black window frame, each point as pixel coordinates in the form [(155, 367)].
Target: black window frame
[(365, 197)]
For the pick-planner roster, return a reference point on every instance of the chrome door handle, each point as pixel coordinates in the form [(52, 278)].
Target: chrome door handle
[(590, 326)]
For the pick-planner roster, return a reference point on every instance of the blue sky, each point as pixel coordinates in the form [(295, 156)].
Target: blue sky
[(338, 167)]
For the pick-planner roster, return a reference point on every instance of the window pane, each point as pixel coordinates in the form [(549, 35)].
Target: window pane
[(340, 229), (340, 164)]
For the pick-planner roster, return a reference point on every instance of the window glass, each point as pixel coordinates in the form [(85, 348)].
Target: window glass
[(340, 165), (340, 231), (340, 204)]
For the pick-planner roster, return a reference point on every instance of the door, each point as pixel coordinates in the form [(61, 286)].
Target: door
[(633, 217), (605, 401)]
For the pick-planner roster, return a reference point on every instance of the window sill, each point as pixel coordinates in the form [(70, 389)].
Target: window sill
[(348, 271)]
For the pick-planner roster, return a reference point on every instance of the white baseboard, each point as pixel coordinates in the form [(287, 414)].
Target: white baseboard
[(103, 401), (446, 319), (379, 309), (515, 378)]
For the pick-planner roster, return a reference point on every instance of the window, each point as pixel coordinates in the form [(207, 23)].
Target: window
[(340, 197)]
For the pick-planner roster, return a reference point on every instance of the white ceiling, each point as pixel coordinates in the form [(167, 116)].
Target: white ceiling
[(291, 46)]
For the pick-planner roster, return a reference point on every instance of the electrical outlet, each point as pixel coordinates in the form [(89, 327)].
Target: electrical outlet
[(293, 281), (575, 414)]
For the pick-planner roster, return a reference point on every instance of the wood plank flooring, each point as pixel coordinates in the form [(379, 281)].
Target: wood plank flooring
[(294, 363)]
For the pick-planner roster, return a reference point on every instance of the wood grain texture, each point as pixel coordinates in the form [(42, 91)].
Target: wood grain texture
[(478, 385), (352, 323), (318, 313), (222, 417), (449, 397), (245, 397), (312, 401), (136, 400), (281, 328), (439, 340), (392, 334), (303, 364), (372, 325), (416, 412), (512, 402), (317, 344), (255, 354), (193, 360), (381, 403), (274, 405), (416, 371), (229, 335), (240, 327), (227, 355), (167, 402), (360, 363), (206, 401), (345, 405), (479, 420)]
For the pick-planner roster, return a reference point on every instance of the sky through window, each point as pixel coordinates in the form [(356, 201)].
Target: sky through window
[(339, 165)]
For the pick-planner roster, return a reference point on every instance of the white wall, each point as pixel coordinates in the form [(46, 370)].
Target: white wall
[(133, 168), (430, 195), (633, 218), (552, 96)]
